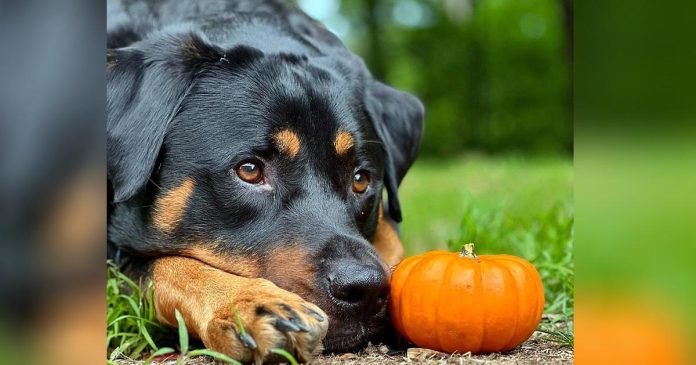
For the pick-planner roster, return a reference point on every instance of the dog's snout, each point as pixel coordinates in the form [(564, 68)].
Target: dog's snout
[(359, 286)]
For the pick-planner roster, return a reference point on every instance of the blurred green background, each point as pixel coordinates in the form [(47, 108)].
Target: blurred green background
[(493, 74), (495, 165)]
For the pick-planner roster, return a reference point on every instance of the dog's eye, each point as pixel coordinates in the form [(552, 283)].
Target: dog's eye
[(361, 180), (250, 171)]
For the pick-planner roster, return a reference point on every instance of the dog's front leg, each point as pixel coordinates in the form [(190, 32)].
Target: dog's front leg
[(208, 298)]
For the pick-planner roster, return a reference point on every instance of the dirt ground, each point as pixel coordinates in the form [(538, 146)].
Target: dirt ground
[(536, 350)]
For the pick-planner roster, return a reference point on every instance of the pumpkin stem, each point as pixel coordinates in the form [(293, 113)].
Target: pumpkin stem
[(468, 251)]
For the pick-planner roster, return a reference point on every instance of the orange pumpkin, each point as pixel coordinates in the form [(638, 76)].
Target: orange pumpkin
[(461, 302)]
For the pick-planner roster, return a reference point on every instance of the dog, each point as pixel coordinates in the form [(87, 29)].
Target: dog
[(247, 154)]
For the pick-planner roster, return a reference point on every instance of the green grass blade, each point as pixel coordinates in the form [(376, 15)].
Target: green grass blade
[(183, 333), (146, 335), (558, 336), (238, 320), (214, 355), (150, 300), (115, 321), (288, 356), (137, 350), (131, 283), (160, 352), (122, 278), (133, 304)]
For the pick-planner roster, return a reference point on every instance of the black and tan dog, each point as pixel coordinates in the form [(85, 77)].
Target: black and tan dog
[(247, 154)]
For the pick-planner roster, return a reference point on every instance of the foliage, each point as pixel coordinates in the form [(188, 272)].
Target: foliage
[(494, 75)]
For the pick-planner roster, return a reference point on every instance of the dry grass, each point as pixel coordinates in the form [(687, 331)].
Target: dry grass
[(536, 350)]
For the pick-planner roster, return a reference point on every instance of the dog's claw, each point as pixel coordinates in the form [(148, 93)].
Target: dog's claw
[(284, 325), (300, 324), (294, 318), (315, 315), (247, 340)]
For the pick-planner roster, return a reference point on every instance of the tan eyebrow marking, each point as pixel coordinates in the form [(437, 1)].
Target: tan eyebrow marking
[(287, 142), (343, 143), (169, 209)]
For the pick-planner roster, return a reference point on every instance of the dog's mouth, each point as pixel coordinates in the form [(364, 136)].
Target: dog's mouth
[(345, 342), (349, 335)]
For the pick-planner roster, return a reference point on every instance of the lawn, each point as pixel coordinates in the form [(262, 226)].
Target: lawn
[(505, 197), (516, 205)]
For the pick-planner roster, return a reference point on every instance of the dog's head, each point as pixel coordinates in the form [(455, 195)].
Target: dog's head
[(262, 165)]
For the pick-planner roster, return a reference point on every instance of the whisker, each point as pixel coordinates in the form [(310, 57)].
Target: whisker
[(155, 184), (144, 206)]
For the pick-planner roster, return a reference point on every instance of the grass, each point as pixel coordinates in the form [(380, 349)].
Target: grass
[(521, 206), (130, 317), (132, 329), (133, 332)]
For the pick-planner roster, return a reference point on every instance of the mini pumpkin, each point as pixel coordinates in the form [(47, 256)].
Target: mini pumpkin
[(449, 301)]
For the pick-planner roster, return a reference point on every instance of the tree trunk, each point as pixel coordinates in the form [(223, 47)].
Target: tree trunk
[(375, 57)]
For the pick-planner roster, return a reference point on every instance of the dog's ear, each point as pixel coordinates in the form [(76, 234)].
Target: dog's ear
[(398, 120), (144, 91), (146, 85)]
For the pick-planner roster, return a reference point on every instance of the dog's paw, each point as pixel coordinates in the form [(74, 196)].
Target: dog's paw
[(270, 318)]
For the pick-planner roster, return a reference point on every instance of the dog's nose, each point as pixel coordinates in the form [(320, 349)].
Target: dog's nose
[(359, 286)]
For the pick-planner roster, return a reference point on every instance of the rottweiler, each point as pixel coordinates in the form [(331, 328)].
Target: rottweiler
[(247, 153)]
